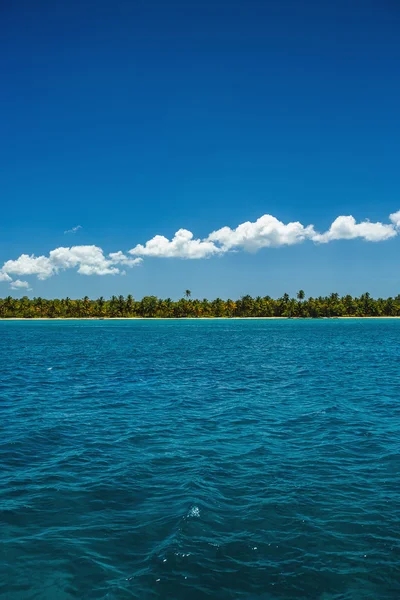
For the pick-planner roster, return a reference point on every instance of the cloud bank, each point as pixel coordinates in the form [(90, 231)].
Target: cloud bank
[(87, 260), (346, 228), (265, 232), (182, 245)]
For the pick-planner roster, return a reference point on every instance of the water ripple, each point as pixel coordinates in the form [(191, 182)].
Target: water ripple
[(201, 459)]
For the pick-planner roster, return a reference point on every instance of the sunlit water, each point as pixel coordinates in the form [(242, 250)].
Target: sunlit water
[(200, 459)]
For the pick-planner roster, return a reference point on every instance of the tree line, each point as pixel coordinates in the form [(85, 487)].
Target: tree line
[(247, 306)]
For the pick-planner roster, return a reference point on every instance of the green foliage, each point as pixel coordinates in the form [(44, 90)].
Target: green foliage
[(151, 306)]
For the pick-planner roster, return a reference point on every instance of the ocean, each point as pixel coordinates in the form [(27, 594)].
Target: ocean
[(194, 459)]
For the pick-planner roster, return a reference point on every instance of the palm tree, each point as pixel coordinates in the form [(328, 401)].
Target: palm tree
[(130, 304), (245, 306), (230, 307), (197, 309), (169, 305), (38, 305), (24, 306), (78, 307), (148, 306), (121, 306), (113, 305), (86, 306), (100, 302), (331, 305), (218, 306), (67, 303), (188, 293), (10, 306)]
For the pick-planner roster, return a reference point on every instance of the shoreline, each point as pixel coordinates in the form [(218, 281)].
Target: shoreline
[(189, 318)]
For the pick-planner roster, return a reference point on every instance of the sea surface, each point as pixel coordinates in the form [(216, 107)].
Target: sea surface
[(226, 459)]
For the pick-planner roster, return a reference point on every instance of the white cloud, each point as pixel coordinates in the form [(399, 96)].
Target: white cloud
[(122, 259), (182, 245), (88, 260), (346, 228), (74, 229), (29, 265), (395, 218), (18, 284), (267, 231)]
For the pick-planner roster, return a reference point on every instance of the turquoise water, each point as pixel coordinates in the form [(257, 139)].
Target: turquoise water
[(200, 459)]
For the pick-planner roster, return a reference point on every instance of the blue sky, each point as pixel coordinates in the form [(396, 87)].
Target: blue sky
[(135, 119)]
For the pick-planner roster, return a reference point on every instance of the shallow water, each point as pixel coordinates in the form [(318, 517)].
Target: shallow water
[(200, 459)]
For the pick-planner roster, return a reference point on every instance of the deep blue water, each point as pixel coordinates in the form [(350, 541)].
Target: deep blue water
[(200, 459)]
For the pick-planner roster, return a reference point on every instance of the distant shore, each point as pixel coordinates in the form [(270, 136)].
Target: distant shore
[(189, 318), (245, 307)]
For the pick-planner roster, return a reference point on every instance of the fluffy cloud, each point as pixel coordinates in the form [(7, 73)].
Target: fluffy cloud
[(29, 265), (395, 218), (121, 259), (182, 245), (267, 231), (346, 228), (88, 260), (18, 284)]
